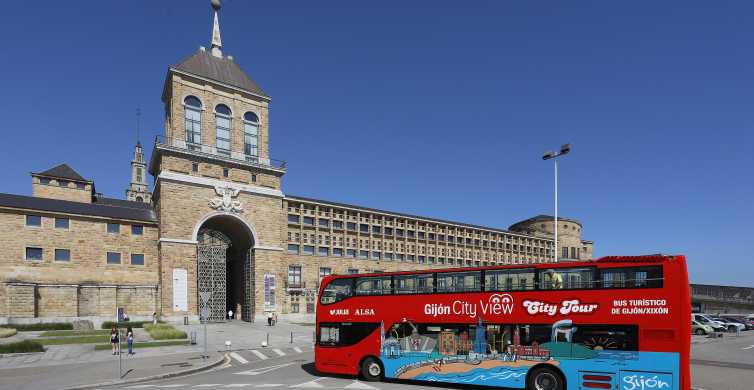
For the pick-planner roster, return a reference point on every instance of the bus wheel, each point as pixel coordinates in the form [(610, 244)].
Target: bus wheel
[(371, 369), (544, 378)]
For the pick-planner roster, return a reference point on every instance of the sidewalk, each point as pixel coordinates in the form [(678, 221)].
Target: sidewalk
[(75, 375)]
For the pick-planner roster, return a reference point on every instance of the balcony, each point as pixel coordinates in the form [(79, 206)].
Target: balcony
[(294, 285), (211, 151)]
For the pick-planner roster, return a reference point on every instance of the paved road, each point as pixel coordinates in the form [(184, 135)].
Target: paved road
[(726, 364)]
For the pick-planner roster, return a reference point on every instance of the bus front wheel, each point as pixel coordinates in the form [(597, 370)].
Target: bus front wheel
[(544, 378), (371, 369)]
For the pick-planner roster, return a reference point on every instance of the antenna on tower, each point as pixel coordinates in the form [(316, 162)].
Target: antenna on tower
[(138, 125)]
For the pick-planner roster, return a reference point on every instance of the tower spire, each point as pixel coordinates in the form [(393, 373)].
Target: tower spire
[(138, 125), (216, 41)]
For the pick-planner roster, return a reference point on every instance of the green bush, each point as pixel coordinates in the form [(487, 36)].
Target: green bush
[(133, 324), (7, 332), (41, 326), (164, 332), (22, 347)]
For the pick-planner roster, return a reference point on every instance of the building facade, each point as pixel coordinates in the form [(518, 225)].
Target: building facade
[(217, 233)]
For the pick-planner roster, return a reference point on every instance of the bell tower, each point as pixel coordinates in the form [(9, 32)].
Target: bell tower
[(138, 189)]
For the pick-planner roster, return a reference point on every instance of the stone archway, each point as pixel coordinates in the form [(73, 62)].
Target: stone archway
[(225, 267)]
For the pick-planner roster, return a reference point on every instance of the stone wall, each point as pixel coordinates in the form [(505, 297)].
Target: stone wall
[(21, 300), (54, 191), (57, 301)]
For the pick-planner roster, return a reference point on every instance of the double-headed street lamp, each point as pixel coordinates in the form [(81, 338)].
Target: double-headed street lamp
[(550, 155)]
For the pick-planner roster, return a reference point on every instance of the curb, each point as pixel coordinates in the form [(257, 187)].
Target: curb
[(223, 359)]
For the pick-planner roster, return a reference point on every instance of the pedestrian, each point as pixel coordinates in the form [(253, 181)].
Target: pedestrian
[(274, 318), (269, 318), (130, 339), (230, 314), (154, 318), (114, 338)]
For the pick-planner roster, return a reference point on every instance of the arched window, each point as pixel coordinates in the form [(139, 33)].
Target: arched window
[(193, 113), (222, 126), (251, 135), (139, 199)]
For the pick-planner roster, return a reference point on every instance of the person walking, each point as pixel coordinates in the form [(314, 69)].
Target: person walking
[(269, 318), (130, 340), (274, 318), (230, 314), (114, 338)]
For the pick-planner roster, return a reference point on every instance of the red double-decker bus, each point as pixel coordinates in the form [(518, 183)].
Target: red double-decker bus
[(611, 323)]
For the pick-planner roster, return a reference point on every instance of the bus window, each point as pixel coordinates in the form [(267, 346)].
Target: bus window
[(566, 278), (632, 277), (346, 333), (509, 280), (425, 283), (373, 286), (458, 281), (405, 284), (337, 290), (612, 337)]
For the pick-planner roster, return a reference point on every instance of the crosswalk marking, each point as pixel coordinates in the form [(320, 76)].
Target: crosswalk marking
[(259, 354), (209, 385), (270, 385), (238, 357), (263, 370), (360, 386), (311, 384), (279, 352), (297, 349), (238, 385)]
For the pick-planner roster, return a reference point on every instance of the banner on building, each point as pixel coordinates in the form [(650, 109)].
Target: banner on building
[(269, 292)]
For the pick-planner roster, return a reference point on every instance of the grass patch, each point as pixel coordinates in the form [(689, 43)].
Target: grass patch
[(90, 332), (22, 347), (148, 344), (133, 324), (7, 332), (44, 326), (164, 332), (73, 340)]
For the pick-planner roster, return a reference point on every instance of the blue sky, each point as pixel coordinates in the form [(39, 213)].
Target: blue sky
[(438, 108)]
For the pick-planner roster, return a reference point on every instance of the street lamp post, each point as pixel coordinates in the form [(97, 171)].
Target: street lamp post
[(550, 155)]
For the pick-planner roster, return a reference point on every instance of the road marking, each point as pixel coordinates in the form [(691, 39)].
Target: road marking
[(172, 386), (209, 385), (263, 370), (259, 354), (749, 347), (359, 385), (297, 349), (238, 385), (270, 385), (279, 352), (311, 384), (139, 386), (238, 357)]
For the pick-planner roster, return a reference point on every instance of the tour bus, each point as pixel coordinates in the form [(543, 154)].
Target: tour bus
[(611, 323)]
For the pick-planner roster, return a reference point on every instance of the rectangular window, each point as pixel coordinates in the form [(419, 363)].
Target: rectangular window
[(324, 222), (632, 277), (411, 258), (337, 252), (376, 230), (294, 276), (363, 254), (293, 218), (62, 223), (399, 256), (137, 259), (194, 167), (334, 334), (353, 271), (422, 260), (62, 255), (113, 228), (399, 232), (33, 221), (293, 249), (222, 130), (388, 256), (421, 235), (564, 251), (373, 286), (137, 230), (388, 231), (309, 250), (376, 255), (509, 280), (350, 252), (225, 172), (309, 221), (351, 226), (253, 178), (566, 278), (364, 228), (113, 258), (414, 284), (44, 180), (459, 281), (338, 225), (410, 233), (324, 271), (63, 183), (294, 307), (322, 251), (33, 254)]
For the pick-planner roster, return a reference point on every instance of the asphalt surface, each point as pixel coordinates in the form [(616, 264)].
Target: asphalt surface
[(720, 364)]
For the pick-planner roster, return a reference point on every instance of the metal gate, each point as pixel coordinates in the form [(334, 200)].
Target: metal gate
[(211, 273), (248, 285)]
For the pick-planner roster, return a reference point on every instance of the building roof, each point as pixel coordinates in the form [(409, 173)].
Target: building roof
[(62, 171), (436, 220), (222, 69), (545, 218), (102, 207)]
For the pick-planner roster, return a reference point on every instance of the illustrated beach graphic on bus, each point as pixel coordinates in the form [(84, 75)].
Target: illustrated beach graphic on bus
[(502, 355)]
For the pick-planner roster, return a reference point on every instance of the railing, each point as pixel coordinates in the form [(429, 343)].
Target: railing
[(214, 151), (294, 285)]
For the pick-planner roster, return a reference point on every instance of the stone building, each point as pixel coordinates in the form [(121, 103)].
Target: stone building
[(217, 233)]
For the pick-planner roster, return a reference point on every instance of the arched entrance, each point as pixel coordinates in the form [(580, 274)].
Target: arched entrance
[(225, 266)]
